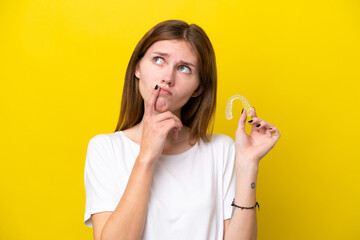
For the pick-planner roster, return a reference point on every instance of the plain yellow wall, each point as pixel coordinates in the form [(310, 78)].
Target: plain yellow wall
[(62, 68)]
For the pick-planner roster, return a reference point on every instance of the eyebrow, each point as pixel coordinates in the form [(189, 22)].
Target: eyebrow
[(167, 55)]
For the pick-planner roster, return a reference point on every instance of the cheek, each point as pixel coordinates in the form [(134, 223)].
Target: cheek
[(142, 89), (187, 92), (146, 84), (190, 87)]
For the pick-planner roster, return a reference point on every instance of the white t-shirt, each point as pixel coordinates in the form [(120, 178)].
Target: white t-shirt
[(191, 192)]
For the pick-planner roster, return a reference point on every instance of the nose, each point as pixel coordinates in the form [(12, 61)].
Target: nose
[(168, 76)]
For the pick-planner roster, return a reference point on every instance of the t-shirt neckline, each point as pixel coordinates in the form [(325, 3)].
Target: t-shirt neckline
[(183, 154)]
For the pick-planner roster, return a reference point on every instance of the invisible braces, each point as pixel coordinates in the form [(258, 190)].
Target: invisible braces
[(245, 103)]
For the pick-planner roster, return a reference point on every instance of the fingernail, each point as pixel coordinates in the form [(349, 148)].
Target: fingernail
[(156, 87), (258, 125), (250, 121), (242, 111)]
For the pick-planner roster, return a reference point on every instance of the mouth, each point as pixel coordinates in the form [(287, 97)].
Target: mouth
[(164, 92)]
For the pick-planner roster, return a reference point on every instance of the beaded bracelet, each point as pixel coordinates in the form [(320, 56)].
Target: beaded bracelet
[(256, 204)]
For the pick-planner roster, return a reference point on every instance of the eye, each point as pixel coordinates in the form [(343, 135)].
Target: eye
[(185, 68), (158, 60)]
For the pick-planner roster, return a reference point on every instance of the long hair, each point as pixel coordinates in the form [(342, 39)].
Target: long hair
[(198, 113)]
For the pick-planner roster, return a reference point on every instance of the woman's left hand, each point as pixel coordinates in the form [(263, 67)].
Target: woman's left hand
[(255, 146)]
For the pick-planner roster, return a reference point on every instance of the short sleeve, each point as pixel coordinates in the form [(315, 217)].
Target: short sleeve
[(229, 180), (101, 184)]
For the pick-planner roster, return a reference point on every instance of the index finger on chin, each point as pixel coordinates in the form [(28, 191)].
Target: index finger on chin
[(150, 105)]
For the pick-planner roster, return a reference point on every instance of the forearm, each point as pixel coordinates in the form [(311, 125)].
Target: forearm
[(128, 219), (243, 224)]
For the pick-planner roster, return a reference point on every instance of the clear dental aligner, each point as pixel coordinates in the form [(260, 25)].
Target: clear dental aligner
[(245, 103)]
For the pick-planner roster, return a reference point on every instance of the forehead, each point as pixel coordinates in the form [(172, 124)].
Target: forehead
[(178, 49)]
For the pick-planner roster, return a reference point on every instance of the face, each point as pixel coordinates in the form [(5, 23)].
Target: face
[(171, 64)]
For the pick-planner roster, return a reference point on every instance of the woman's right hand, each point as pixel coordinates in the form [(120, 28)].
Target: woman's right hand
[(155, 129)]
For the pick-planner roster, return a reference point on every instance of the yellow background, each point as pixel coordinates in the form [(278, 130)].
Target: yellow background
[(62, 68)]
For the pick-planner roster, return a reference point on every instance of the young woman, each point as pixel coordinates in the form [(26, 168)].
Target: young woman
[(160, 175)]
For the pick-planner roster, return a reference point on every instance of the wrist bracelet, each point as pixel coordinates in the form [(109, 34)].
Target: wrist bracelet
[(256, 204)]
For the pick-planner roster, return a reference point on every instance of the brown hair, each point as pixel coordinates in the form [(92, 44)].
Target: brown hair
[(199, 111)]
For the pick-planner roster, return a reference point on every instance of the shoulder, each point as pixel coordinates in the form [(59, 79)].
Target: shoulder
[(218, 139), (113, 143), (224, 148), (107, 137), (221, 144), (100, 139), (101, 151), (103, 141)]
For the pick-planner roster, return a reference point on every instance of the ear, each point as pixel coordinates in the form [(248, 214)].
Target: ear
[(137, 71), (197, 92)]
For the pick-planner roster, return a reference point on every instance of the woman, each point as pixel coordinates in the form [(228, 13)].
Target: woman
[(149, 179)]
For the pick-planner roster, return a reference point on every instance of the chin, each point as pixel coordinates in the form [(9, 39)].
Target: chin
[(163, 108)]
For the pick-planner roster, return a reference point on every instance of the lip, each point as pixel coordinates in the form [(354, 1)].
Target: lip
[(165, 91)]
